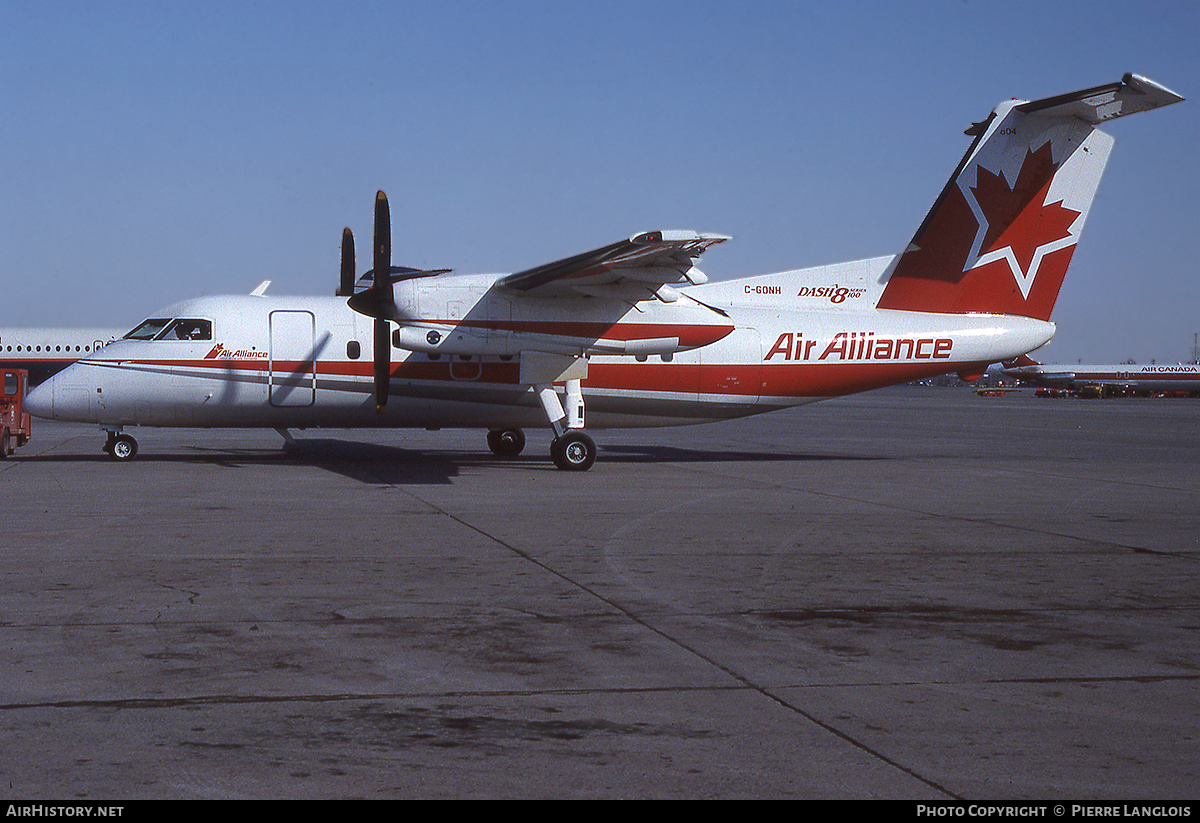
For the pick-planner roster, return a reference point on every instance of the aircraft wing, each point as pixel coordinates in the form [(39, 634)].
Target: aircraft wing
[(639, 268)]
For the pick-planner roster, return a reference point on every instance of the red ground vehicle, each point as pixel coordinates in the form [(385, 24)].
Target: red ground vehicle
[(15, 426)]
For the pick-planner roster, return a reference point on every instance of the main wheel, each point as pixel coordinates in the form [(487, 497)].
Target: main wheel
[(124, 448), (574, 451), (506, 442)]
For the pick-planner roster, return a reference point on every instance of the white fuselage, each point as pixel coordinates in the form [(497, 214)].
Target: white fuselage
[(739, 348)]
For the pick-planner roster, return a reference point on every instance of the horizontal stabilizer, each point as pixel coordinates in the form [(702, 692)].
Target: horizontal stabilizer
[(1131, 95)]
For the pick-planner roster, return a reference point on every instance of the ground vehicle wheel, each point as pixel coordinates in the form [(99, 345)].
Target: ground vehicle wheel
[(5, 444), (506, 442), (574, 451), (124, 448)]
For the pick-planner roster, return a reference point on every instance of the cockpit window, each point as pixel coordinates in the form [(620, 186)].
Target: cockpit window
[(149, 329), (188, 329), (164, 328)]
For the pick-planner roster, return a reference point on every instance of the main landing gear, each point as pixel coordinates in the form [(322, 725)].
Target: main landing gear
[(572, 449), (506, 442), (119, 446)]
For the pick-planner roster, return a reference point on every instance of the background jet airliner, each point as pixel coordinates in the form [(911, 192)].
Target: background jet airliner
[(633, 331), (43, 352), (1162, 377)]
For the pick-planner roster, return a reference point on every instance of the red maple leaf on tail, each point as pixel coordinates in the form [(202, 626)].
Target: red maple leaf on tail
[(1018, 216)]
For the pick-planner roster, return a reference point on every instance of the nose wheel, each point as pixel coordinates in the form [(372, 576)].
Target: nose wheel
[(121, 447)]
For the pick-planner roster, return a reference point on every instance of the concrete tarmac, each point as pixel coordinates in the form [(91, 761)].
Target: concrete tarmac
[(915, 593)]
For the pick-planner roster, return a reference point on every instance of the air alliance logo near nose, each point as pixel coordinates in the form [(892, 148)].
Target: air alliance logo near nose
[(219, 352)]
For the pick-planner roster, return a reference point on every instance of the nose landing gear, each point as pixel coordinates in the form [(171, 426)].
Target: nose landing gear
[(120, 447)]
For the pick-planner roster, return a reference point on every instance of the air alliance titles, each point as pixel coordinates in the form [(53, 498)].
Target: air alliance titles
[(859, 345), (219, 352)]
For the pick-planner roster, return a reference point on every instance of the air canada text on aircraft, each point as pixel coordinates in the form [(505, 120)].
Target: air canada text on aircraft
[(861, 345)]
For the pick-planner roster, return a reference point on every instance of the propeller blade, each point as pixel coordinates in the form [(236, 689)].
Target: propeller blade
[(346, 286), (384, 296), (383, 247), (383, 364)]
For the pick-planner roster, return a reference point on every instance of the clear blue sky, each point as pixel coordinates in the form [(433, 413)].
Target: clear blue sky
[(153, 151)]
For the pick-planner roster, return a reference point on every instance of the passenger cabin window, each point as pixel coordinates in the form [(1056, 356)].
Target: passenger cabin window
[(353, 350)]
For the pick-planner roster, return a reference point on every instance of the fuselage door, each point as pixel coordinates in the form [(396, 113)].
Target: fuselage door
[(293, 363)]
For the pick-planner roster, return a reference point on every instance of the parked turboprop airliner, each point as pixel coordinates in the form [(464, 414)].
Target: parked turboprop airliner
[(633, 331), (1161, 377), (43, 352)]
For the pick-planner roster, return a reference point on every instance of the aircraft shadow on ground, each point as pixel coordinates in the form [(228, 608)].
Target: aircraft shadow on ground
[(381, 464), (677, 454), (371, 463)]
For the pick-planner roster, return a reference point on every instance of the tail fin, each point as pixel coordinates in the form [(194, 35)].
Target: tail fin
[(1001, 235)]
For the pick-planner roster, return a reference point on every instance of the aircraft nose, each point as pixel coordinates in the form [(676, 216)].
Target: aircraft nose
[(65, 396), (40, 400)]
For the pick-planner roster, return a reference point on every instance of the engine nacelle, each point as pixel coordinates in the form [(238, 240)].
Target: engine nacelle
[(455, 340)]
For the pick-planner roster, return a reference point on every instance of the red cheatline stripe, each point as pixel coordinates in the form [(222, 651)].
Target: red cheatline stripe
[(741, 380)]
